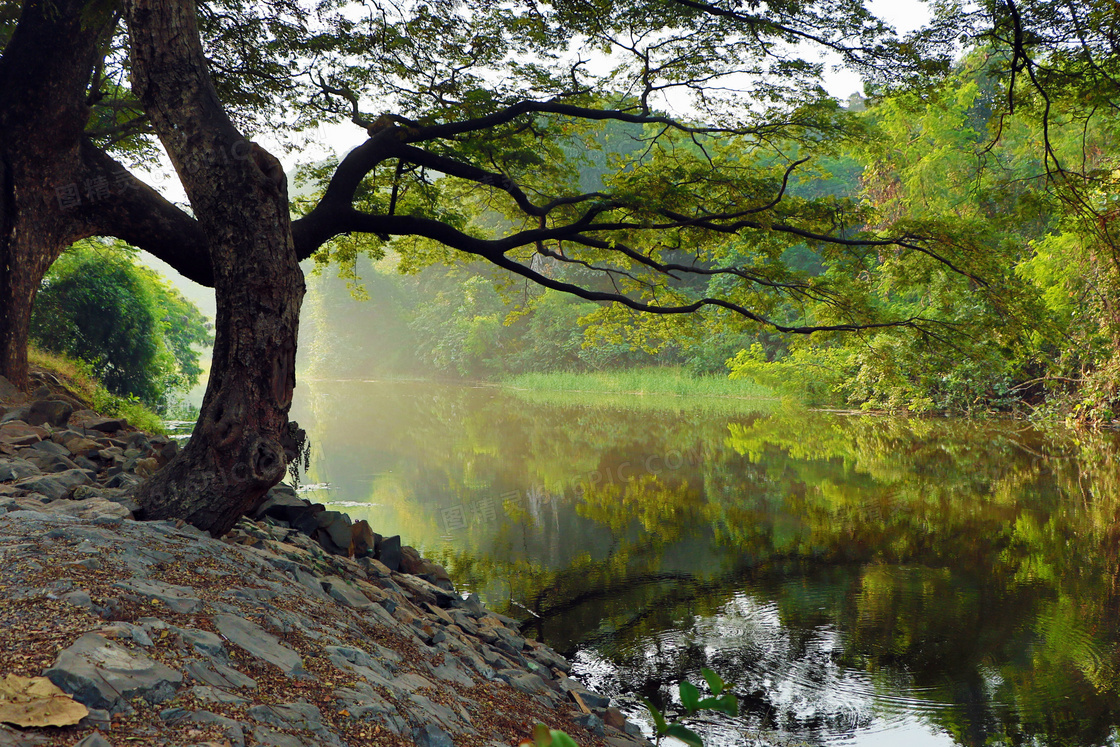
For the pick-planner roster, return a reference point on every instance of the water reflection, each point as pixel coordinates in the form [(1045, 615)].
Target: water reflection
[(863, 580)]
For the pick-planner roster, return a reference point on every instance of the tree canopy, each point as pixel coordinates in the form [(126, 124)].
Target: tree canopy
[(479, 119)]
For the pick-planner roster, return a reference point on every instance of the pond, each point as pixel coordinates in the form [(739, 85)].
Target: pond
[(863, 580)]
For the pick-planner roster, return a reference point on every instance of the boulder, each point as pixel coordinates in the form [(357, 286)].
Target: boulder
[(99, 673), (389, 552), (54, 412)]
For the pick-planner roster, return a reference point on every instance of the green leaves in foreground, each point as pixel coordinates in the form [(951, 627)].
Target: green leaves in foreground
[(720, 700), (545, 737)]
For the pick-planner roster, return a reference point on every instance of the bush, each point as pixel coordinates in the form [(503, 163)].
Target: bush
[(137, 334)]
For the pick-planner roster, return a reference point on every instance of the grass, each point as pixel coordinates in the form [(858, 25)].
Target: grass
[(78, 377), (646, 388)]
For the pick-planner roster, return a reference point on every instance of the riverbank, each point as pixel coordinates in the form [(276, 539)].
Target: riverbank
[(299, 628)]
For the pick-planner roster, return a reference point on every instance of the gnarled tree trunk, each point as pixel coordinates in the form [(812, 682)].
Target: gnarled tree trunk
[(44, 71), (238, 194)]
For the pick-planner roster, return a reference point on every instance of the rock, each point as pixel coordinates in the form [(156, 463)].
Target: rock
[(47, 485), (178, 599), (12, 738), (259, 643), (9, 392), (592, 723), (593, 700), (411, 562), (18, 433), (203, 641), (14, 468), (216, 695), (530, 684), (389, 552), (16, 414), (343, 592), (219, 675), (50, 411), (102, 425), (93, 740), (334, 526), (431, 735), (613, 717), (99, 673), (48, 462), (281, 502)]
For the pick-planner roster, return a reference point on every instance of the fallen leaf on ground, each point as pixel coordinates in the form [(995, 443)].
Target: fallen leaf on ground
[(36, 701)]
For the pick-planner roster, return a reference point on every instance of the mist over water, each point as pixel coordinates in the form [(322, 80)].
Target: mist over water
[(863, 580)]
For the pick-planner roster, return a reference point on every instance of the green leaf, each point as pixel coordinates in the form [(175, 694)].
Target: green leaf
[(730, 704), (715, 682), (690, 697), (684, 734), (658, 719), (541, 735), (560, 739)]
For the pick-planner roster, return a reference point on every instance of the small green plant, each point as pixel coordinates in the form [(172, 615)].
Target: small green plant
[(545, 737), (721, 699)]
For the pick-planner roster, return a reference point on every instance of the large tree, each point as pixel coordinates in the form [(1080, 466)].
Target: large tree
[(464, 104)]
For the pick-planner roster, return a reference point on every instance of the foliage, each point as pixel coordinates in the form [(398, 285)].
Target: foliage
[(721, 700), (137, 334), (79, 376)]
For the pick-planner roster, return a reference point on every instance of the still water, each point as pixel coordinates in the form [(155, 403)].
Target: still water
[(863, 580)]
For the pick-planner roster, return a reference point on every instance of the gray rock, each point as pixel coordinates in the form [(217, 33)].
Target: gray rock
[(219, 675), (17, 469), (51, 411), (593, 700), (355, 660), (50, 447), (363, 703), (271, 738), (216, 695), (12, 738), (431, 735), (591, 722), (335, 527), (93, 740), (389, 552), (282, 502), (102, 674), (18, 415), (530, 684), (203, 641), (343, 592), (232, 730), (180, 599), (9, 392), (46, 485), (259, 643), (47, 462)]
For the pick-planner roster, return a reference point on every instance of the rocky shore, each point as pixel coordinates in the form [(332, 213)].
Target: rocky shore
[(298, 628)]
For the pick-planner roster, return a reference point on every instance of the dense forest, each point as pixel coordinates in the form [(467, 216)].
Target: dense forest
[(1025, 321)]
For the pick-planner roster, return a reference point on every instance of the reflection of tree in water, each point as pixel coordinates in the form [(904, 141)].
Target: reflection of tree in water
[(965, 575)]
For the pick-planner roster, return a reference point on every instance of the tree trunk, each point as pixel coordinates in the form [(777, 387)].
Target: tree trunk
[(239, 196), (44, 71)]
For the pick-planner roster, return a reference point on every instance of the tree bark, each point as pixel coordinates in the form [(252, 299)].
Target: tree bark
[(44, 72), (240, 199)]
